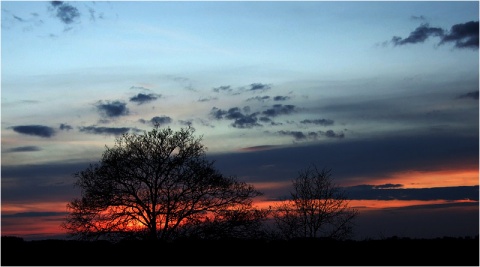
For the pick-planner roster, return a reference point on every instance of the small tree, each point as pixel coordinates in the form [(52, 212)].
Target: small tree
[(317, 208), (149, 186)]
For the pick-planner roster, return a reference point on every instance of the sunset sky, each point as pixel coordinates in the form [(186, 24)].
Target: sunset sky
[(385, 94)]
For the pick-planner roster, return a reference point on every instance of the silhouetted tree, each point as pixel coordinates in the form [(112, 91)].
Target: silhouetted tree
[(316, 208), (240, 223), (154, 184)]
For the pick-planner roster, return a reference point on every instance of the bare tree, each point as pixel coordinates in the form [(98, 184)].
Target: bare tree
[(316, 208), (152, 184)]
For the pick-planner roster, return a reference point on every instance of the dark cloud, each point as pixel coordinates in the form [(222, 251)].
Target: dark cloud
[(259, 98), (207, 99), (112, 108), (37, 130), (161, 120), (67, 13), (223, 88), (332, 134), (301, 136), (473, 95), (324, 122), (40, 182), (105, 130), (279, 109), (465, 35), (247, 121), (353, 158), (419, 35), (259, 87), (257, 148), (144, 98), (240, 120), (371, 192), (65, 127), (34, 214), (384, 186), (243, 119), (281, 98), (23, 149)]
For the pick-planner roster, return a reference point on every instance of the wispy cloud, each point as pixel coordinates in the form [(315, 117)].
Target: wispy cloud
[(304, 136), (323, 122), (23, 149), (472, 95), (105, 130)]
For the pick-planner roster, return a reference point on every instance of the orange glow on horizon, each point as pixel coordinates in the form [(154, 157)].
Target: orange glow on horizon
[(374, 204), (12, 208), (425, 179)]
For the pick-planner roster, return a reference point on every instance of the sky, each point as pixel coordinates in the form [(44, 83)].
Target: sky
[(385, 94)]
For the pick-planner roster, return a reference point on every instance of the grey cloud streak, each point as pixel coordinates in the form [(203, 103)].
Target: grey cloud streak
[(23, 149), (106, 130), (36, 130), (371, 192), (348, 160), (351, 158)]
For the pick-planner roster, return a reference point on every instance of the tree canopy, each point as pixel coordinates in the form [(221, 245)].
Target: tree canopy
[(153, 185)]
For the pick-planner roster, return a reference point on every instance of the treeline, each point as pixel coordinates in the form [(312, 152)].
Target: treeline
[(393, 251)]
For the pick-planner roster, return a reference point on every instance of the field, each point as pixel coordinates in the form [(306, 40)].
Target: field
[(391, 251)]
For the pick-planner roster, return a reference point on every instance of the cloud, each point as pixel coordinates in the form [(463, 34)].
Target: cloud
[(419, 35), (67, 13), (279, 109), (240, 120), (161, 120), (473, 95), (372, 192), (23, 149), (301, 136), (465, 35), (112, 108), (65, 127), (259, 87), (37, 130), (257, 148), (281, 98), (207, 99), (417, 17), (34, 214), (259, 98), (323, 122), (105, 130), (139, 88), (332, 134), (223, 88), (144, 98), (244, 119)]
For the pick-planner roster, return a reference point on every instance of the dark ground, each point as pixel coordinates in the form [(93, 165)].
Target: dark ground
[(386, 252)]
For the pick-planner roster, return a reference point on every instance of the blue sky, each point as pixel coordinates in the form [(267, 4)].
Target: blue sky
[(377, 91)]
